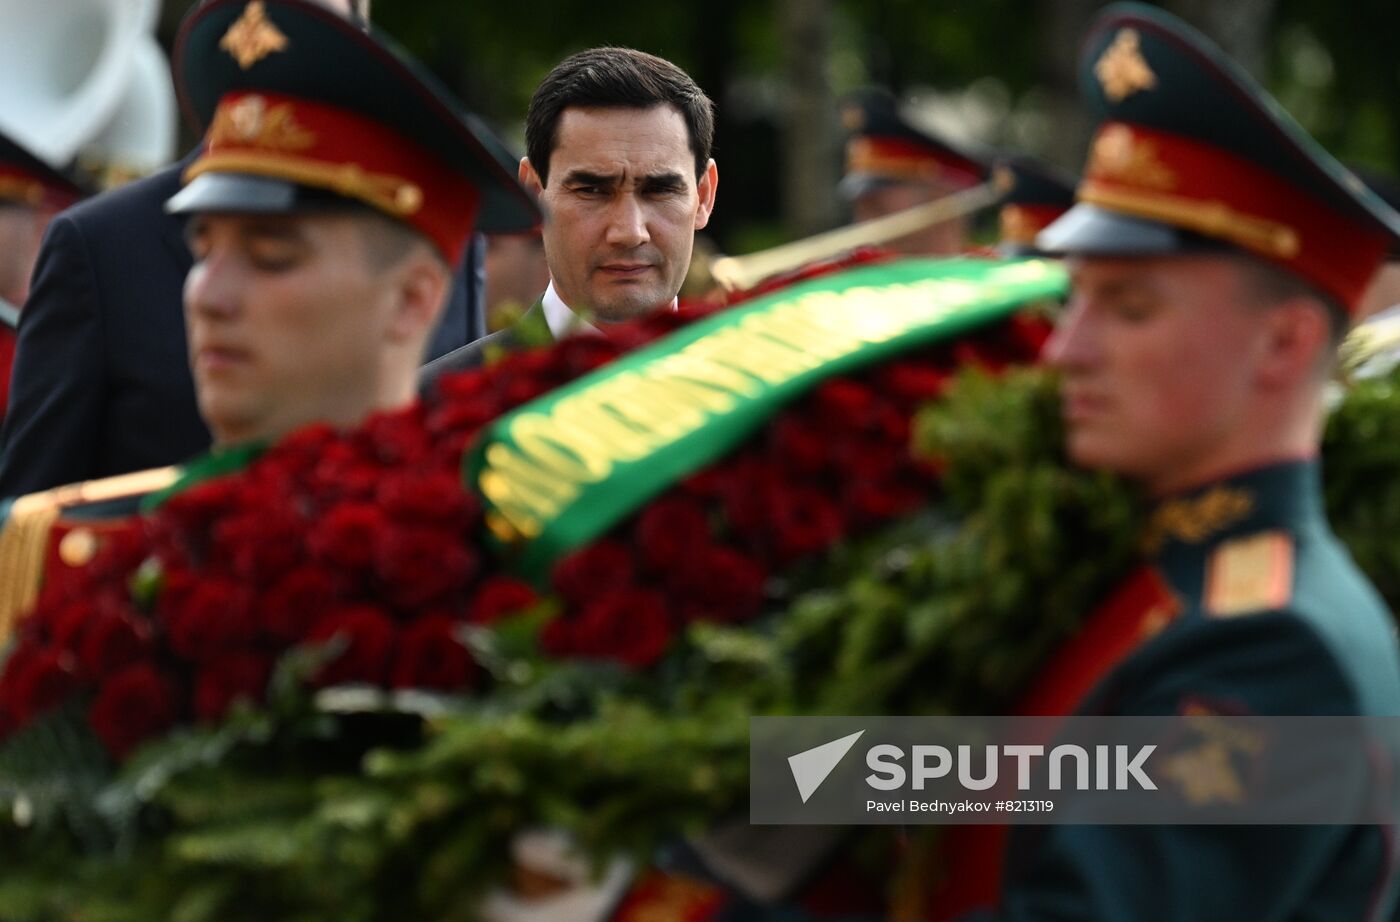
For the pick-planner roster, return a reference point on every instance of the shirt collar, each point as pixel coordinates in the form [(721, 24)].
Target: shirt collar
[(563, 321)]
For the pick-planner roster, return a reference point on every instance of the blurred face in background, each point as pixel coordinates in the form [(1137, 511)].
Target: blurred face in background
[(516, 276), (946, 239), (21, 231)]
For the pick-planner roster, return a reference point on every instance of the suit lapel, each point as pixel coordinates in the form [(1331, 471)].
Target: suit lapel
[(532, 329)]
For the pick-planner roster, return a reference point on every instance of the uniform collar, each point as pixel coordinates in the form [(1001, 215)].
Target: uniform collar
[(1285, 495)]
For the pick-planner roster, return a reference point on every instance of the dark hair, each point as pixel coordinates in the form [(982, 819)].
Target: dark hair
[(620, 78)]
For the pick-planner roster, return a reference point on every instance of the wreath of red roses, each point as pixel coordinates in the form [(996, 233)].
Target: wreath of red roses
[(370, 536)]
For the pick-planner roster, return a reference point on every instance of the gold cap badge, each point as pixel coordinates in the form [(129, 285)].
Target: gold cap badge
[(1122, 70), (253, 37), (852, 118)]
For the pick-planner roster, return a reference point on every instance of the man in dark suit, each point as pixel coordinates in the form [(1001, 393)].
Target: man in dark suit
[(101, 382), (619, 157)]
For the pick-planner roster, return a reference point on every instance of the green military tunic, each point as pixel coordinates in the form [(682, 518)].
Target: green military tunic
[(1272, 618)]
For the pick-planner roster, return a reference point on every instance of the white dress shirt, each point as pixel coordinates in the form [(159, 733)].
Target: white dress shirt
[(562, 320)]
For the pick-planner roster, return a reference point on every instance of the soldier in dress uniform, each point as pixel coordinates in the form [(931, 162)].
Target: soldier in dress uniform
[(892, 166), (1217, 256), (336, 187), (31, 193), (1034, 195)]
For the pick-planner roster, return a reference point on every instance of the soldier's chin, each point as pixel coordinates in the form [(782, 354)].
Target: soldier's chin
[(1097, 451), (226, 418)]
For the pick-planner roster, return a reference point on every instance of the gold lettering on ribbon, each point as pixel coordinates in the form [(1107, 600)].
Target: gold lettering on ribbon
[(555, 454)]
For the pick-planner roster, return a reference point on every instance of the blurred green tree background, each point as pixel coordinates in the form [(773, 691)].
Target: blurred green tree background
[(999, 72)]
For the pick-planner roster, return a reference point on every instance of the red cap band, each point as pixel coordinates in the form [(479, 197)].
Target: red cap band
[(1187, 184), (25, 188), (902, 159), (316, 145), (1021, 223)]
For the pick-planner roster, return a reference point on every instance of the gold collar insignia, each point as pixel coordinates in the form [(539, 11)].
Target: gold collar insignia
[(1194, 519)]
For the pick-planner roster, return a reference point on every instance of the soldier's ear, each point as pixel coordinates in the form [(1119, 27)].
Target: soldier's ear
[(422, 284), (1297, 342)]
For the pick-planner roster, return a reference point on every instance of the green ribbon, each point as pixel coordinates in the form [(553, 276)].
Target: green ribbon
[(560, 471), (216, 463)]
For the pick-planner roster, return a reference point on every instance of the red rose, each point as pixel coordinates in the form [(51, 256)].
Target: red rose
[(873, 501), (629, 336), (461, 386), (712, 482), (843, 400), (67, 624), (517, 390), (369, 637), (213, 619), (669, 529), (749, 494), (289, 609), (261, 544), (557, 638), (112, 641), (979, 355), (420, 566), (1027, 334), (799, 445), (629, 626), (300, 449), (867, 458), (431, 656), (888, 423), (579, 355), (914, 382), (346, 536), (227, 679), (454, 414), (120, 551), (40, 681), (343, 473), (429, 498), (396, 437), (189, 515), (720, 584), (131, 707), (538, 363), (601, 567), (803, 521), (500, 597)]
